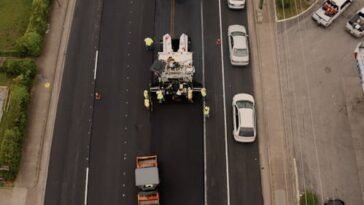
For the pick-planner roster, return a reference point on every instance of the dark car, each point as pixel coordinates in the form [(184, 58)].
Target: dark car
[(334, 202)]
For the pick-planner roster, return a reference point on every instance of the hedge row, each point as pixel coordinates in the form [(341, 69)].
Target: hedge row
[(30, 44), (14, 120)]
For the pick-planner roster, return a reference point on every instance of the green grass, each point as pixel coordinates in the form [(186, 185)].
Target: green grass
[(14, 17), (296, 7)]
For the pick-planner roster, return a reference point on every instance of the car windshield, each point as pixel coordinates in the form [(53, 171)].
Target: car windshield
[(246, 132), (361, 14), (244, 104), (237, 33), (241, 52)]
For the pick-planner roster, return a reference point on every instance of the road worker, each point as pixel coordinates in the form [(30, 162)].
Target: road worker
[(160, 96), (206, 111), (189, 95), (147, 103), (146, 94), (97, 96), (148, 43), (203, 92)]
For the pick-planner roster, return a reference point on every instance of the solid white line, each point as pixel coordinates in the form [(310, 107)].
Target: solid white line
[(296, 179), (224, 103), (86, 187), (204, 103), (96, 60)]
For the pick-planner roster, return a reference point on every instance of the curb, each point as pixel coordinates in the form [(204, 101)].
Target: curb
[(258, 90), (47, 135)]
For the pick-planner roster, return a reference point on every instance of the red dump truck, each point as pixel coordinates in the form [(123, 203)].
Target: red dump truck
[(147, 180)]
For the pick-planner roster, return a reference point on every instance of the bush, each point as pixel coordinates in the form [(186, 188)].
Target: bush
[(38, 19), (12, 129), (30, 44), (14, 67), (309, 198), (10, 154), (284, 4), (24, 69)]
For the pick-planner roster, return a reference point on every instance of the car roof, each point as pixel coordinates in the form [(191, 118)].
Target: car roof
[(243, 97), (240, 42), (246, 117), (236, 27)]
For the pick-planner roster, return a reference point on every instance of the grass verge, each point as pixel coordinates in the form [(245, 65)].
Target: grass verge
[(14, 18), (292, 8)]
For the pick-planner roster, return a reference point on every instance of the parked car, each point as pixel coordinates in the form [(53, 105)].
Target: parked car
[(355, 25), (334, 202), (244, 121), (329, 11), (238, 45), (236, 4)]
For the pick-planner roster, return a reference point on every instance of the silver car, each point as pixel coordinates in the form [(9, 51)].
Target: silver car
[(238, 45), (244, 118), (236, 4)]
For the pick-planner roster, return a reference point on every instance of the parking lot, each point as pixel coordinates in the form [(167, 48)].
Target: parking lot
[(323, 106)]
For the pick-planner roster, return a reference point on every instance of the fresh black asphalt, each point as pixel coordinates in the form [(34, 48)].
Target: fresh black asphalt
[(108, 134)]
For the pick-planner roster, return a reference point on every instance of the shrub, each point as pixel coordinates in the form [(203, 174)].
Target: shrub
[(12, 128), (309, 198), (30, 44), (10, 153), (38, 19), (14, 67)]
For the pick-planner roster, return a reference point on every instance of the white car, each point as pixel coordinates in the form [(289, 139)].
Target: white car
[(355, 25), (238, 45), (244, 118), (236, 4)]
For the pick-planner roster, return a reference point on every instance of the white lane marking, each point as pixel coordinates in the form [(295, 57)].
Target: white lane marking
[(224, 103), (96, 60), (204, 103), (296, 179), (86, 186)]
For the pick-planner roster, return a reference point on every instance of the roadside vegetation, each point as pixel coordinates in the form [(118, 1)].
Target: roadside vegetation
[(14, 18), (23, 24), (309, 198), (18, 75), (289, 8)]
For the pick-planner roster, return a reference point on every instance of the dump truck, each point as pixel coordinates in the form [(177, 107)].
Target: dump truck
[(172, 73), (147, 180)]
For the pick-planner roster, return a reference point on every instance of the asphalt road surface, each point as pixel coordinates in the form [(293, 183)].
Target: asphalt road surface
[(96, 141)]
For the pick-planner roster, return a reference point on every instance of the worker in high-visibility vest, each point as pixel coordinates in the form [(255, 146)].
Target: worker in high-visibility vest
[(147, 103), (206, 111), (160, 96), (203, 92), (148, 43), (189, 95)]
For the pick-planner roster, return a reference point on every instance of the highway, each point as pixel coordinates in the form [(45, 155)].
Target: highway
[(95, 142)]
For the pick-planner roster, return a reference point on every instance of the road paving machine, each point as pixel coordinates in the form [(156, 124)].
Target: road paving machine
[(173, 72)]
